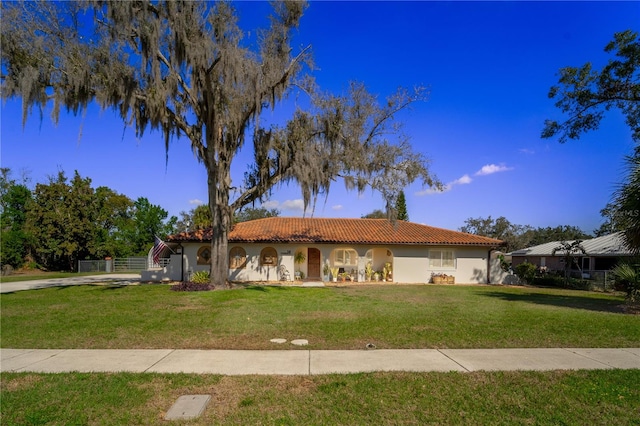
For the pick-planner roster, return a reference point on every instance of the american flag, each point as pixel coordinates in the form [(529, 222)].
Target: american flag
[(158, 247)]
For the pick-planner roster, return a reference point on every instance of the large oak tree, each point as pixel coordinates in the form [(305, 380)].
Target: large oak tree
[(183, 68)]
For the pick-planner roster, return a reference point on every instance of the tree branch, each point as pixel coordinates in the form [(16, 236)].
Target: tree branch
[(184, 85)]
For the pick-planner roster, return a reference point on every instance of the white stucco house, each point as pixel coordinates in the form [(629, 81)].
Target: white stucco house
[(266, 250)]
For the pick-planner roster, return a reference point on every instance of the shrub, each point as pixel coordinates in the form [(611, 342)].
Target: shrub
[(526, 271), (549, 280), (191, 286), (199, 282), (200, 277), (628, 277)]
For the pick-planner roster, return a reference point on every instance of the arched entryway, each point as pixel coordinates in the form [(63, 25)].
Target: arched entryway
[(378, 264), (313, 263)]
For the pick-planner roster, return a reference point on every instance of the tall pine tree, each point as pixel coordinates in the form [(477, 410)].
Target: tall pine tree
[(401, 207)]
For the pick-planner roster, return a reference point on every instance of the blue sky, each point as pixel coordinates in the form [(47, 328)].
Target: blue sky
[(489, 66)]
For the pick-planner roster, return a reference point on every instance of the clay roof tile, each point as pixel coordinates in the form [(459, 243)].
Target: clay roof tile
[(339, 231)]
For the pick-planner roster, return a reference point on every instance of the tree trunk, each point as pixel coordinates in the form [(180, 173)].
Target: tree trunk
[(219, 183)]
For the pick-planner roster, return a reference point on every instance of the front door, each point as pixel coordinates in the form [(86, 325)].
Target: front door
[(313, 263)]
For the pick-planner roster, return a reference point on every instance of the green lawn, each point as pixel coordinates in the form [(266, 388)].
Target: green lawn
[(427, 316), (152, 316), (497, 398)]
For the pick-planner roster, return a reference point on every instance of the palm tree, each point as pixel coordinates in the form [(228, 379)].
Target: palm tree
[(629, 277), (627, 202)]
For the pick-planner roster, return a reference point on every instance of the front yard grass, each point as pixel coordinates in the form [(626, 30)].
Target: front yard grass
[(426, 316), (152, 316), (480, 398)]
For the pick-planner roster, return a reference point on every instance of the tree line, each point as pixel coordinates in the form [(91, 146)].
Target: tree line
[(65, 220), (517, 237)]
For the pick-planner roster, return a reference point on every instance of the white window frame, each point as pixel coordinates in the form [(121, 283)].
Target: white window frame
[(342, 255), (437, 259), (369, 257)]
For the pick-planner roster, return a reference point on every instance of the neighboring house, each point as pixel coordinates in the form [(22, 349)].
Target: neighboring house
[(264, 250), (601, 254)]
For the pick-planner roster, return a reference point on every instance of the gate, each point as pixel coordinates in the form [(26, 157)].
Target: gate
[(119, 264)]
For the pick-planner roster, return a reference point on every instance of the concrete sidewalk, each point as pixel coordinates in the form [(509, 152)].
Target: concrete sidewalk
[(312, 362)]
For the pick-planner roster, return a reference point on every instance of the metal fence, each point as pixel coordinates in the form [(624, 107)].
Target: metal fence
[(589, 280), (598, 280), (129, 264), (123, 264), (92, 266)]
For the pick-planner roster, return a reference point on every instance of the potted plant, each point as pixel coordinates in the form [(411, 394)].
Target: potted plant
[(368, 271), (376, 276), (386, 272), (334, 274), (441, 278), (298, 259), (325, 272)]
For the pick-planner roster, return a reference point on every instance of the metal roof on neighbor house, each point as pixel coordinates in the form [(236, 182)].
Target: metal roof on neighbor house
[(607, 245), (340, 231)]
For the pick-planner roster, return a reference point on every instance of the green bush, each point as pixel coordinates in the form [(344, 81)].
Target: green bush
[(549, 280), (200, 277), (628, 277), (526, 272)]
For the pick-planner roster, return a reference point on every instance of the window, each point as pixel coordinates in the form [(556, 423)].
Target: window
[(345, 257), (369, 257), (586, 263), (441, 259), (237, 258), (204, 256), (268, 256)]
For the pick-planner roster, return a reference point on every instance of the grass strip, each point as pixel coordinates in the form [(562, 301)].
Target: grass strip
[(427, 316), (495, 398)]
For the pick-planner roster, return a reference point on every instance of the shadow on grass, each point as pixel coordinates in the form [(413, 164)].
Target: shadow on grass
[(268, 288), (563, 301)]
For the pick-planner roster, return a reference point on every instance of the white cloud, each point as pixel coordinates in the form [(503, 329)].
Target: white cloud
[(526, 151), (337, 207), (463, 180), (297, 204), (196, 202), (429, 191), (490, 169), (270, 204)]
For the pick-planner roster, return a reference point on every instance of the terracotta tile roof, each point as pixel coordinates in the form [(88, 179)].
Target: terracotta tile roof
[(339, 231)]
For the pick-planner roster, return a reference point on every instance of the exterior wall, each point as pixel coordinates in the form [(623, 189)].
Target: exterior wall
[(552, 263), (472, 265), (171, 272), (253, 271), (410, 263), (496, 274)]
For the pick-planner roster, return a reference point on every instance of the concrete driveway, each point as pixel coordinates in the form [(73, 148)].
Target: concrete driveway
[(113, 279)]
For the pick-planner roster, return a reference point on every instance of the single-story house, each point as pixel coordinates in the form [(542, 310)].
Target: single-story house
[(285, 248), (601, 254)]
